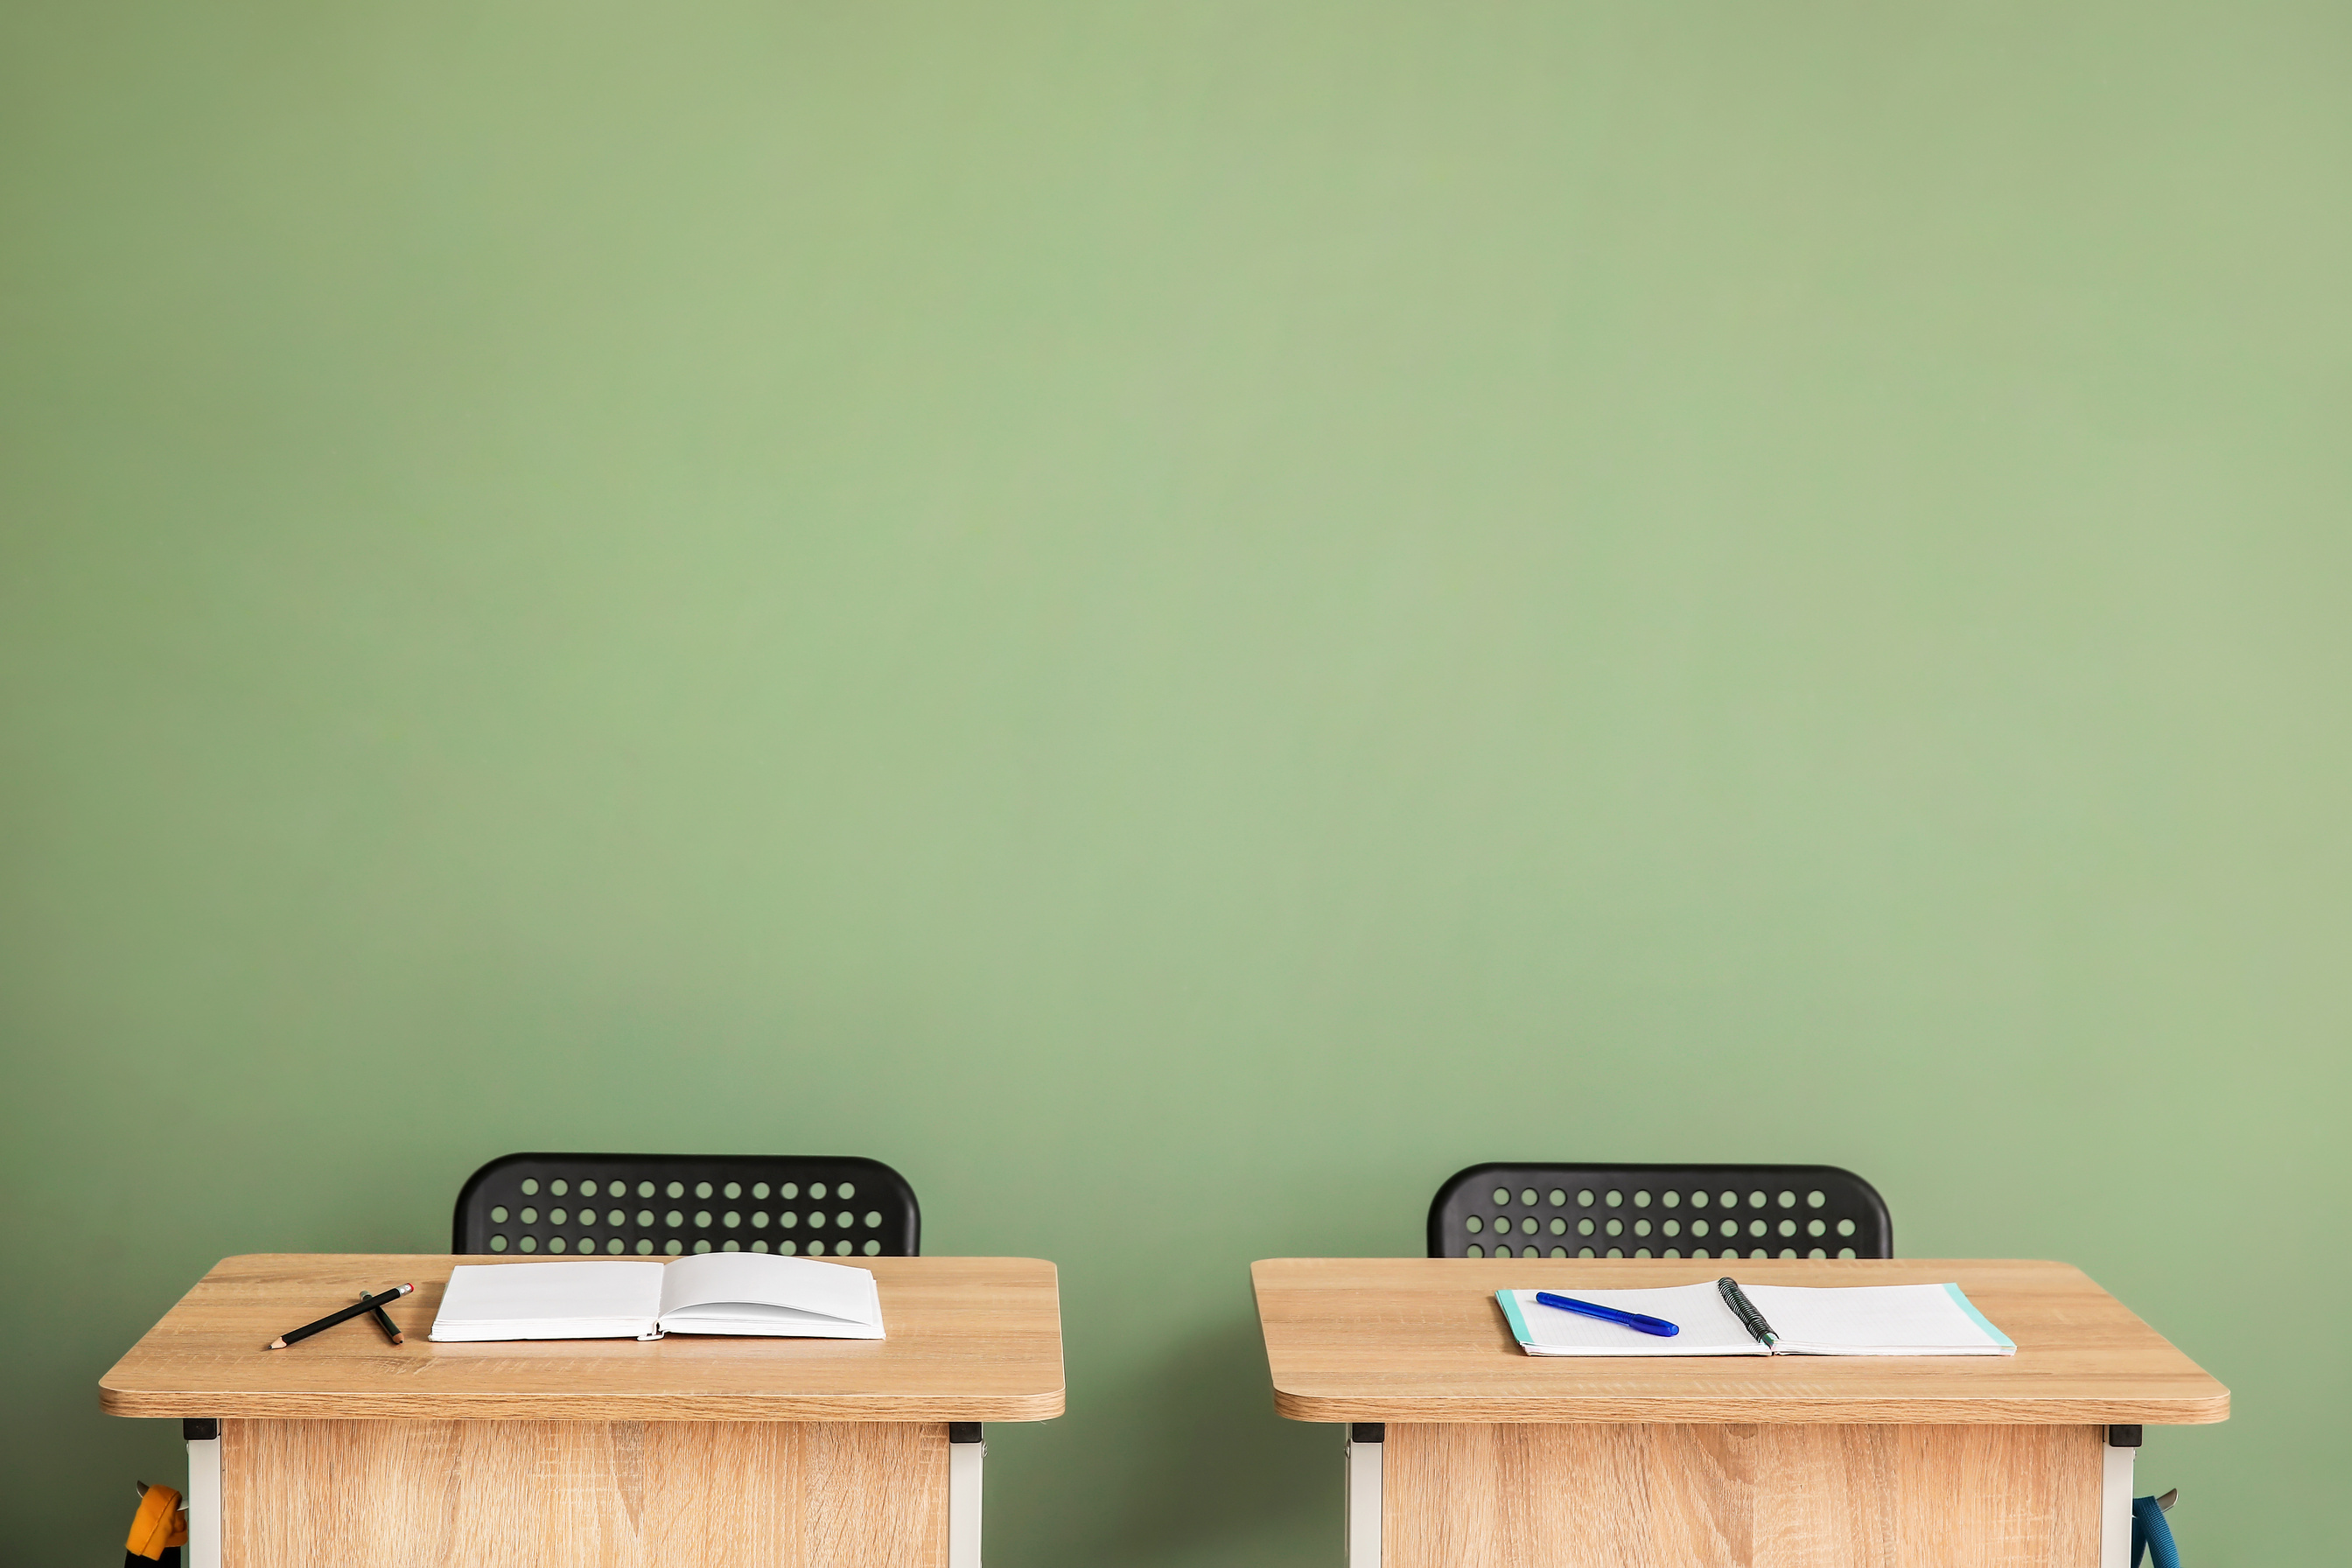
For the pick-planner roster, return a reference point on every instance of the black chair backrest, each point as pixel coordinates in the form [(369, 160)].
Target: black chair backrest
[(663, 1204), (1659, 1211)]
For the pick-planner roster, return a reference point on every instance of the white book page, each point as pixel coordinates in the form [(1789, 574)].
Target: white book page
[(549, 1301), (1876, 1319), (1709, 1327), (798, 1285), (748, 1317)]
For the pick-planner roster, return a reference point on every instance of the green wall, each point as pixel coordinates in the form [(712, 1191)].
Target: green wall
[(1179, 619)]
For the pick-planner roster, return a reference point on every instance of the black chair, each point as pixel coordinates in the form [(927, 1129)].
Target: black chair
[(1659, 1211), (641, 1204)]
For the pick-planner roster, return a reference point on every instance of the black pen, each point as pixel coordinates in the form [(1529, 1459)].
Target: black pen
[(1737, 1299)]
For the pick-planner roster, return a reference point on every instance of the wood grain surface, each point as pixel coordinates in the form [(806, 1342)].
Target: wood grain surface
[(586, 1494), (970, 1338), (1413, 1338), (1742, 1496)]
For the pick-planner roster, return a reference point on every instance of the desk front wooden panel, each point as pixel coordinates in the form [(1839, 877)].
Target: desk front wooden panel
[(660, 1494), (1635, 1495)]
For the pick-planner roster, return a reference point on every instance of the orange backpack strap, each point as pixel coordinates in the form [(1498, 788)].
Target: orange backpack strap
[(160, 1524)]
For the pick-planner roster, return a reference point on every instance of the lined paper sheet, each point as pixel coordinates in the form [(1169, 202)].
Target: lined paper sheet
[(1877, 1320), (1709, 1327)]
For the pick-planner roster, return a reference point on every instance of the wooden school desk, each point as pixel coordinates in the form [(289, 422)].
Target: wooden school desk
[(602, 1453), (1463, 1449)]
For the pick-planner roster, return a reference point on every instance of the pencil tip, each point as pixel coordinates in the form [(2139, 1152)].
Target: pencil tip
[(275, 1345)]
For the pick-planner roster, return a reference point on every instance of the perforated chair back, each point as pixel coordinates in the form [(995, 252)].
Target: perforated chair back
[(664, 1204), (1659, 1211)]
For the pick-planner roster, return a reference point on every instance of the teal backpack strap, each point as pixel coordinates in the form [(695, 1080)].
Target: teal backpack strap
[(2152, 1535)]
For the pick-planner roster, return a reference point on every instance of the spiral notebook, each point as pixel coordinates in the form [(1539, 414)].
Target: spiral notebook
[(1810, 1319)]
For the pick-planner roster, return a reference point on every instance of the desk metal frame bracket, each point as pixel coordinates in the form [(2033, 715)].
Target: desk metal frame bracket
[(1366, 1441), (967, 1450), (2116, 1498), (203, 1497)]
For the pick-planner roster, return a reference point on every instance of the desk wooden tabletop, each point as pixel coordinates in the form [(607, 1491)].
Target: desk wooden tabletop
[(1415, 1340), (970, 1338)]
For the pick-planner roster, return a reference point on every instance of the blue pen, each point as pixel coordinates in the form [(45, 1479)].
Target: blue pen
[(1658, 1326)]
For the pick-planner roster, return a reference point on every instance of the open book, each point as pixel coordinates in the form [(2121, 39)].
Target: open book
[(1848, 1319), (709, 1293)]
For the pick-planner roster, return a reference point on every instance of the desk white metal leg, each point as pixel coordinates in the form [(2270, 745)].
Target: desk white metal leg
[(204, 1497), (2116, 1498), (967, 1448), (1366, 1441)]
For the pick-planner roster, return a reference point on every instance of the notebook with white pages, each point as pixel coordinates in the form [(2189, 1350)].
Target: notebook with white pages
[(1849, 1319), (708, 1294)]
